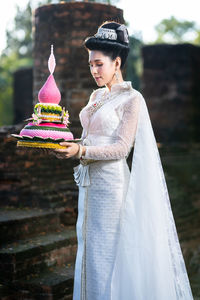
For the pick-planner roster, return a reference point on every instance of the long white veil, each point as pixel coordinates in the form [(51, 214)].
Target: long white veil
[(149, 263)]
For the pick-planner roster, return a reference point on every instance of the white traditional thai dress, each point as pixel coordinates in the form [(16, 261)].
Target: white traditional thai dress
[(111, 255)]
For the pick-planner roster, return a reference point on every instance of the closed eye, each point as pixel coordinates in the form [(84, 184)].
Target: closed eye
[(98, 65)]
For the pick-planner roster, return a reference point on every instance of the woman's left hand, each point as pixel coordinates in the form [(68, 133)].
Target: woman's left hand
[(70, 150)]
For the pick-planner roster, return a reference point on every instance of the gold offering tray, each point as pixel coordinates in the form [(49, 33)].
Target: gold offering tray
[(40, 142)]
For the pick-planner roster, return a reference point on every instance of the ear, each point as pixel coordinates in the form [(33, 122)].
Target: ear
[(118, 62)]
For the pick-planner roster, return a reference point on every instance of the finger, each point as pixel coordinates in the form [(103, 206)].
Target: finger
[(61, 150), (61, 156), (43, 150), (51, 152), (46, 151)]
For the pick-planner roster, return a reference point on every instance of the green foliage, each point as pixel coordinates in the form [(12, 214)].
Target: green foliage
[(19, 38), (18, 53), (197, 39), (9, 64), (134, 62), (175, 31)]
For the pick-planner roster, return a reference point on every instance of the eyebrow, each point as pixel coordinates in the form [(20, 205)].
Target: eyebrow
[(94, 60)]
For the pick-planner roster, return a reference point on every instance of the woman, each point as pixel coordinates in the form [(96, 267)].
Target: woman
[(128, 248)]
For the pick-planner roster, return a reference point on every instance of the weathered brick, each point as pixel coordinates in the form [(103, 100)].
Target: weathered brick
[(79, 94), (68, 34), (30, 178), (170, 83)]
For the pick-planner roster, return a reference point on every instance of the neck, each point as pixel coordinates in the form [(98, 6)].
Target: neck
[(114, 81)]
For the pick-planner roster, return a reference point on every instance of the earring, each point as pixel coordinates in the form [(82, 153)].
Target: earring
[(117, 76)]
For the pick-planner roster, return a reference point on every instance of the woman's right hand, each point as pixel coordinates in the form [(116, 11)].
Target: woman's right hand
[(47, 151)]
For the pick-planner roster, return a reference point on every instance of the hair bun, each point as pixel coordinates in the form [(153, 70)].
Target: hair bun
[(124, 36), (112, 39)]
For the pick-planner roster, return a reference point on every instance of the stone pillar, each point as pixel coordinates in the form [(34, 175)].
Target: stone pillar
[(23, 94), (66, 25), (171, 86)]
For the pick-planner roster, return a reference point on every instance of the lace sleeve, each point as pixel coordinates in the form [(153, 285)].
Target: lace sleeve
[(125, 135)]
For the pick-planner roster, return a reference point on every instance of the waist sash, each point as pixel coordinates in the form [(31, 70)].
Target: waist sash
[(81, 172)]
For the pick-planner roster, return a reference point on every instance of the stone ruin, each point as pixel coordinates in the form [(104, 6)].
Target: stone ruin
[(38, 196), (170, 83)]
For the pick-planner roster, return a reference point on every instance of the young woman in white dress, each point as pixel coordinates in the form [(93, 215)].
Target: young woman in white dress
[(128, 248)]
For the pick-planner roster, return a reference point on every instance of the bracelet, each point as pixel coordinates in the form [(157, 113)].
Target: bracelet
[(79, 154)]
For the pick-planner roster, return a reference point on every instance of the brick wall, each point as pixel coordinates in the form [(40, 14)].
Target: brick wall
[(29, 178), (66, 25), (170, 84)]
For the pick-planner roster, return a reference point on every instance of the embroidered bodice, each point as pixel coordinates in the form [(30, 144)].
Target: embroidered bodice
[(109, 122)]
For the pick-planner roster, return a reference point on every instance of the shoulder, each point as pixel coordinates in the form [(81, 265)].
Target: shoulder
[(135, 94), (132, 98)]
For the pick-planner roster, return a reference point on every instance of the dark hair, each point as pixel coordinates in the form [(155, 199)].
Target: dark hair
[(111, 48)]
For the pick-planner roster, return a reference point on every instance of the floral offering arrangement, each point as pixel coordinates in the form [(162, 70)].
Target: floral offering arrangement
[(48, 125)]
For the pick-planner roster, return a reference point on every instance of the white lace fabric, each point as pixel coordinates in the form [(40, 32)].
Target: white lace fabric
[(125, 101), (128, 247)]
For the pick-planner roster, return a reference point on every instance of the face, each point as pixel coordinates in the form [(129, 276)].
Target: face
[(102, 68)]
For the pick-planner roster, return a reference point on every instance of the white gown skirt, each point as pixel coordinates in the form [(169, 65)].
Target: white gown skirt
[(100, 206)]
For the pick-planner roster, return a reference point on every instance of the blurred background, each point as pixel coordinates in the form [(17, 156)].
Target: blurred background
[(148, 23), (38, 196)]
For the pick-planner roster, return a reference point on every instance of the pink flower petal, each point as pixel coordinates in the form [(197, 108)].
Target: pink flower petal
[(51, 61)]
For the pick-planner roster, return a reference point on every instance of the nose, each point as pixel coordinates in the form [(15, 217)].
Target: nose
[(93, 70)]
